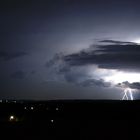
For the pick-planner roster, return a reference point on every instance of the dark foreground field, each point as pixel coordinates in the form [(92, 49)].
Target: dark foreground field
[(70, 119)]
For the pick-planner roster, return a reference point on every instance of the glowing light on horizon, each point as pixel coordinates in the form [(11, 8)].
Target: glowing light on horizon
[(136, 41), (119, 77)]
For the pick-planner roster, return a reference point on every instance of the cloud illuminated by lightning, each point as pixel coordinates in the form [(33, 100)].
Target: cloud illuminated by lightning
[(115, 77), (136, 41), (119, 77)]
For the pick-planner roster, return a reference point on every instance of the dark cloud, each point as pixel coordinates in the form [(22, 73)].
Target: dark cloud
[(117, 42), (9, 55), (134, 85), (18, 75), (112, 56)]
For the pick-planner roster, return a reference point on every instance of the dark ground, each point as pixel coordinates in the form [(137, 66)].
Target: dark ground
[(70, 119)]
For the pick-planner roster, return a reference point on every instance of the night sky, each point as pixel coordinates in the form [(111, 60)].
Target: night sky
[(69, 49)]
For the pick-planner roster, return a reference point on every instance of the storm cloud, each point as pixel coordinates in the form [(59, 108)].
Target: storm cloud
[(117, 42), (107, 54), (134, 85), (118, 55)]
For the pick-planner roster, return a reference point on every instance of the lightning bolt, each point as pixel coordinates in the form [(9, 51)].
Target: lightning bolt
[(126, 92)]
